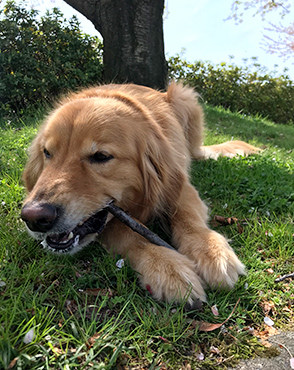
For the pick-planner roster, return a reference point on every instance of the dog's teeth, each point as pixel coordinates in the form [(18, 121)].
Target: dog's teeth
[(76, 241), (70, 236), (44, 243)]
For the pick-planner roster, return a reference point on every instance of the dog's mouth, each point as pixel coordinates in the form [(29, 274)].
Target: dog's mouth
[(66, 241)]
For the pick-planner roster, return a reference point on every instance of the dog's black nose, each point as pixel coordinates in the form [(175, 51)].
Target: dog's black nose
[(39, 217)]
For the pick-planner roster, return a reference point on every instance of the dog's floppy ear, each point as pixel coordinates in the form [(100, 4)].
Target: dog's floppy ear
[(35, 163), (161, 173)]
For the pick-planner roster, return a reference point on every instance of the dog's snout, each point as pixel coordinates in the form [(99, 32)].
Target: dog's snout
[(39, 217)]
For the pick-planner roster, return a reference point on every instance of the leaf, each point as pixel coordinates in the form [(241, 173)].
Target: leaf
[(224, 221), (240, 228), (57, 350), (268, 307), (206, 326), (91, 341), (13, 363), (264, 334)]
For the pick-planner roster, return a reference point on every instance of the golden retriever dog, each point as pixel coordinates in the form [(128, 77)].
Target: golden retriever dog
[(130, 145)]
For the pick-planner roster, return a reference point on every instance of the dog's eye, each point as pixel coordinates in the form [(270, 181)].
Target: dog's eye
[(100, 157), (47, 154)]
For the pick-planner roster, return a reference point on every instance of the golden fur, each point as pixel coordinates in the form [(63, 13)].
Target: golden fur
[(147, 139)]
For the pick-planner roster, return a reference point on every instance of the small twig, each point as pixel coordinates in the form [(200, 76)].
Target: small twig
[(226, 359), (289, 276), (136, 226)]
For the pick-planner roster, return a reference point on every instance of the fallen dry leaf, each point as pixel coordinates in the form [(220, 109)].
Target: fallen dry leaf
[(268, 307), (265, 333), (225, 221), (186, 366), (91, 341), (13, 363), (58, 350), (240, 228), (60, 323), (206, 326), (213, 349)]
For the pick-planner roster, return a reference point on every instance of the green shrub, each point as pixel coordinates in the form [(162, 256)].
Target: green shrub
[(238, 88), (42, 57)]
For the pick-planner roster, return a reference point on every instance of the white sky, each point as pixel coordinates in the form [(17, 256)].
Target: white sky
[(198, 26)]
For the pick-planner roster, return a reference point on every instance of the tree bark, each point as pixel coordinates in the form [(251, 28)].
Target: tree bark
[(132, 32)]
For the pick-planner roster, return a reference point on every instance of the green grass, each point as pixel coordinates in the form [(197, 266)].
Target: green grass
[(85, 313)]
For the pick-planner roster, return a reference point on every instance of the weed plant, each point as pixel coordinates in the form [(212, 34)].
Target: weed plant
[(250, 89), (43, 57)]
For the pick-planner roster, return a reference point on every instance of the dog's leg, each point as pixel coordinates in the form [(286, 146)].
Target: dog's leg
[(228, 149), (215, 260), (169, 274)]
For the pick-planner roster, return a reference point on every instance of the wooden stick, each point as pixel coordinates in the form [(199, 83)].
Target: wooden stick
[(284, 277), (136, 226)]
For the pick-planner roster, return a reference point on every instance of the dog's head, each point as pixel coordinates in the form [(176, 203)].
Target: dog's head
[(88, 153)]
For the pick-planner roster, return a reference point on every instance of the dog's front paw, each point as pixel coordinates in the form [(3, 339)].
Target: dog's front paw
[(218, 264), (170, 276)]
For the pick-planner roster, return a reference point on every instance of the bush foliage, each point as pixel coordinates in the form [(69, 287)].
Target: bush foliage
[(238, 88), (42, 57)]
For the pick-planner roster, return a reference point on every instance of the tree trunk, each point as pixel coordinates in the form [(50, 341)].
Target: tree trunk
[(132, 32)]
